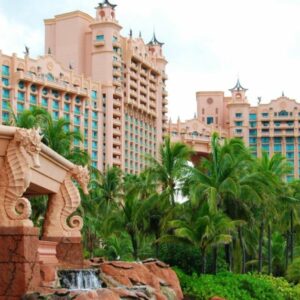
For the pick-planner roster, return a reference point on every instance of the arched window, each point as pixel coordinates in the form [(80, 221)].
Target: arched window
[(50, 77), (283, 113)]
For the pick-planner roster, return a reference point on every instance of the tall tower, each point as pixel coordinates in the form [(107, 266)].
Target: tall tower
[(155, 47), (105, 43), (238, 109)]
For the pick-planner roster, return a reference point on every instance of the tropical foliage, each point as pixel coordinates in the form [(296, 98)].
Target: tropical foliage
[(232, 212)]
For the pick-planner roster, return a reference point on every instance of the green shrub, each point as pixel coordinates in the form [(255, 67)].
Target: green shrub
[(236, 287)]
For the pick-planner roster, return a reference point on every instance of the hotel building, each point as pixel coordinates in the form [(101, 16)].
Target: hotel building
[(132, 75), (112, 88), (272, 127)]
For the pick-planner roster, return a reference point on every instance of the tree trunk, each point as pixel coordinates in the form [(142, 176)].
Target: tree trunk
[(287, 249), (228, 257), (292, 236), (243, 250), (269, 250), (157, 235), (215, 260), (260, 246), (203, 261), (134, 246)]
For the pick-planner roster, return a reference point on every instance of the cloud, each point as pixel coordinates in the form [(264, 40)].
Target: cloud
[(208, 43)]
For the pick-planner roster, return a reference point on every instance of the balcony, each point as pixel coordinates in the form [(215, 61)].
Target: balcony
[(117, 122), (165, 93), (117, 103), (117, 63), (118, 92), (133, 75), (57, 84), (117, 73), (117, 113), (117, 141), (98, 43), (117, 83)]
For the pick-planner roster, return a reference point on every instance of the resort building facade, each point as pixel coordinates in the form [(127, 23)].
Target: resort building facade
[(112, 88), (132, 75), (273, 127)]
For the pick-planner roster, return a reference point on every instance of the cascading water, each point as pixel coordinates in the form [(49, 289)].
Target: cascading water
[(79, 279)]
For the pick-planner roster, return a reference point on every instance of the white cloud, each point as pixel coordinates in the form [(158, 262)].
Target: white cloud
[(208, 43)]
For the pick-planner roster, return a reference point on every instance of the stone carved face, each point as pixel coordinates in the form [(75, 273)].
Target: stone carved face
[(31, 141), (82, 176)]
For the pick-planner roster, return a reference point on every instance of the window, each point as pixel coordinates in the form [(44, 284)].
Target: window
[(265, 114), (94, 94), (33, 88), (78, 100), (5, 93), (55, 93), (77, 109), (283, 113), (238, 123), (114, 39), (45, 91), (44, 102), (253, 132), (252, 116), (67, 117), (277, 148), (238, 115), (21, 96), (252, 140), (55, 104), (209, 120), (94, 145), (289, 178), (253, 124), (100, 37), (86, 123), (5, 70), (277, 123), (289, 155), (94, 115), (67, 96), (290, 147), (76, 142), (265, 147), (67, 107), (55, 115), (94, 154), (20, 107), (94, 164), (95, 124), (50, 77), (289, 140), (76, 120), (265, 140), (5, 81), (277, 140), (95, 134), (5, 116), (265, 124), (238, 131), (32, 99), (21, 85), (5, 105)]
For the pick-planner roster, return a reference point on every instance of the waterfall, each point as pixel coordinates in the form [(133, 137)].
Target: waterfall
[(79, 279)]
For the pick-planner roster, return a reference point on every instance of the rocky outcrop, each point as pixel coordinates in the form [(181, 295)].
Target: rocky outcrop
[(148, 280)]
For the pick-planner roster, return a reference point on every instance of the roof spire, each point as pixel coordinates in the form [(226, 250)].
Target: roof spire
[(238, 87), (140, 35), (282, 95), (106, 3), (154, 41), (130, 33)]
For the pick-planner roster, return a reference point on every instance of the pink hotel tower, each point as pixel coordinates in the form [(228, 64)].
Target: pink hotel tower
[(272, 127), (112, 88)]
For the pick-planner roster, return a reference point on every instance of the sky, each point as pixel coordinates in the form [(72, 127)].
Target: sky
[(208, 43)]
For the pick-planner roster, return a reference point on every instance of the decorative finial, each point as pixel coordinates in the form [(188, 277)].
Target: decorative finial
[(106, 3), (26, 52), (258, 100), (49, 51), (70, 66), (140, 35), (282, 95), (154, 41), (130, 33), (238, 87)]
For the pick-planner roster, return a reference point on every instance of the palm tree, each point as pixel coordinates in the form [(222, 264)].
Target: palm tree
[(31, 118), (226, 182), (203, 229), (170, 169), (273, 170)]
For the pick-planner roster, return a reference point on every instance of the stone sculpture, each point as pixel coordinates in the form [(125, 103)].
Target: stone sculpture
[(22, 154), (59, 221)]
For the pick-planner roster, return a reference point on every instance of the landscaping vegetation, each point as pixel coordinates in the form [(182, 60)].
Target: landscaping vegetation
[(230, 215)]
